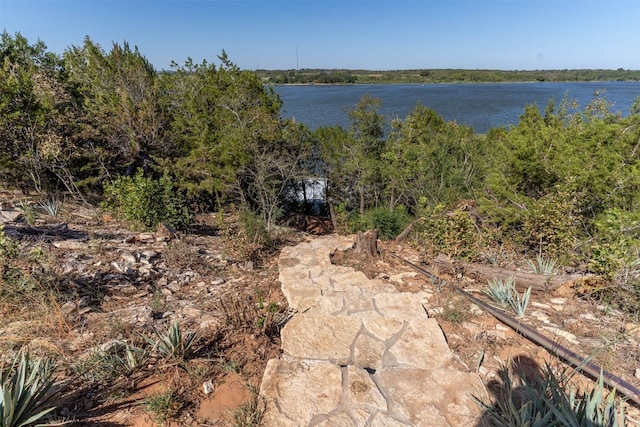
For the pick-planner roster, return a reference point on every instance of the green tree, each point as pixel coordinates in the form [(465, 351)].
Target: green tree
[(31, 106), (226, 126), (122, 126), (363, 151), (431, 161)]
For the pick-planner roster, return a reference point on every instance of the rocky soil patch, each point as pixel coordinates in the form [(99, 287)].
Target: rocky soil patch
[(97, 296)]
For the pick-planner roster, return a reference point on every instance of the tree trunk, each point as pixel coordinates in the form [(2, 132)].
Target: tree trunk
[(486, 273), (367, 243), (334, 220)]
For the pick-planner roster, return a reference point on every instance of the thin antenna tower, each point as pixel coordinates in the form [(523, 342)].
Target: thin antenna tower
[(296, 58)]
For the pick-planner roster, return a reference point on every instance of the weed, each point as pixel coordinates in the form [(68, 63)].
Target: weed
[(158, 303), (8, 247), (163, 405), (25, 392), (249, 414), (455, 311), (106, 366), (28, 211), (233, 365)]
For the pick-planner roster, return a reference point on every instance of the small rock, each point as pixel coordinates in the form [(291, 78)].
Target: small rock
[(217, 281), (207, 387), (497, 334), (435, 311), (144, 237), (71, 244), (149, 255), (68, 307), (564, 334), (637, 373), (9, 215), (129, 258), (589, 316), (540, 305)]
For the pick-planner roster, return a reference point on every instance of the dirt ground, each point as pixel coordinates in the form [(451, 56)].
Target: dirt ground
[(102, 288)]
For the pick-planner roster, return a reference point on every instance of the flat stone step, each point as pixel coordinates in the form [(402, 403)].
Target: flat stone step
[(360, 353), (304, 394)]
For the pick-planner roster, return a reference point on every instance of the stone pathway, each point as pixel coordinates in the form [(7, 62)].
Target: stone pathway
[(360, 353)]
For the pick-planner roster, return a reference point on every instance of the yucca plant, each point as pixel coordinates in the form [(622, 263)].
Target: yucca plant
[(25, 392), (546, 266), (173, 344), (519, 304), (501, 291), (545, 401), (52, 207)]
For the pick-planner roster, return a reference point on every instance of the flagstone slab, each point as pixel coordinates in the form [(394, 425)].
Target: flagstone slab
[(320, 337), (359, 353), (296, 393), (426, 398)]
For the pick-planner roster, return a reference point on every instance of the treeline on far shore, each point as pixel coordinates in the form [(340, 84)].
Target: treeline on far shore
[(338, 76)]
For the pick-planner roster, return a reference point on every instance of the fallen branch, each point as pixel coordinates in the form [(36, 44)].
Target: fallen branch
[(485, 273)]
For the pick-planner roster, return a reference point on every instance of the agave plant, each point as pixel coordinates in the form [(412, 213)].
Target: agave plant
[(519, 303), (52, 207), (25, 392)]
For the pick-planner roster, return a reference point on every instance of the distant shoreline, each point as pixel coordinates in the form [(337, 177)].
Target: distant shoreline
[(447, 76)]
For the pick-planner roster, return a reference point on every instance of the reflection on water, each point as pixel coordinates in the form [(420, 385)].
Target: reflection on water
[(481, 106)]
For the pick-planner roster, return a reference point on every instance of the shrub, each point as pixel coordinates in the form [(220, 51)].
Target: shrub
[(148, 202), (453, 233), (389, 223)]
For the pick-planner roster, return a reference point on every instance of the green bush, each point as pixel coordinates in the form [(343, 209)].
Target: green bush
[(388, 223), (254, 227), (548, 400), (148, 202), (453, 233)]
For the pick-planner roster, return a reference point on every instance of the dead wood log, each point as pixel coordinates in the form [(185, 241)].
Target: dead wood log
[(405, 233), (539, 283), (366, 243)]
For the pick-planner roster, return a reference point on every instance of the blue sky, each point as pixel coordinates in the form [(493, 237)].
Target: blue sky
[(352, 34)]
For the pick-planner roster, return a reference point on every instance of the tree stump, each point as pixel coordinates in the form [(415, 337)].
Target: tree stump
[(367, 243)]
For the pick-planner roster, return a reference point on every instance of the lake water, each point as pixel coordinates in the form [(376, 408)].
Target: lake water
[(482, 106)]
